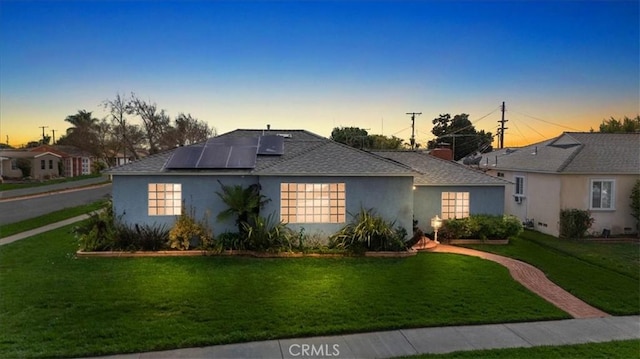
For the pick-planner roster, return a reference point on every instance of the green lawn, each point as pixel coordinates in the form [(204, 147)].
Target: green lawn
[(56, 305), (605, 275), (625, 349), (32, 223), (10, 186)]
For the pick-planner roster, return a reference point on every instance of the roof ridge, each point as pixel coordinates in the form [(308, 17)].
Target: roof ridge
[(284, 160), (571, 157)]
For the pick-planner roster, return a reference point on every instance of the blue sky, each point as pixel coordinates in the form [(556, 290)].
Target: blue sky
[(559, 65)]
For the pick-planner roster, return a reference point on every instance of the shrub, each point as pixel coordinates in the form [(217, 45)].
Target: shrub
[(188, 233), (635, 204), (231, 240), (140, 237), (268, 234), (24, 165), (481, 227), (574, 223), (371, 232), (98, 232)]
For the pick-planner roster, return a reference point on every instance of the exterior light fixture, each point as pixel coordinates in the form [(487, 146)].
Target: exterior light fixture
[(436, 223)]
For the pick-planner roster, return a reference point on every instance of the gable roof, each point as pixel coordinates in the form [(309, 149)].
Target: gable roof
[(572, 152), (305, 154), (434, 171), (62, 150), (10, 154)]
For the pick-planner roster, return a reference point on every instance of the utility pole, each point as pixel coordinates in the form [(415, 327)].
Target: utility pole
[(53, 140), (502, 128), (43, 127), (413, 128)]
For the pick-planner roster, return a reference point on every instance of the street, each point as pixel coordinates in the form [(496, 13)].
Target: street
[(19, 209)]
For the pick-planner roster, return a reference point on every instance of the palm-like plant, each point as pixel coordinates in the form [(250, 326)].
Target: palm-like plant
[(83, 134), (242, 202)]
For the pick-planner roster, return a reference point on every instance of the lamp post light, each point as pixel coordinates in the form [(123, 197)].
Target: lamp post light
[(436, 223)]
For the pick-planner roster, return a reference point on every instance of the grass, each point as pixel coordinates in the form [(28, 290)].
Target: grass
[(10, 186), (605, 275), (22, 226), (623, 349), (56, 305)]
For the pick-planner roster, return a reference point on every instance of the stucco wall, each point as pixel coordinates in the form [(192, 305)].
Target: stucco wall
[(547, 194), (390, 197), (130, 195), (576, 194), (482, 200), (36, 167)]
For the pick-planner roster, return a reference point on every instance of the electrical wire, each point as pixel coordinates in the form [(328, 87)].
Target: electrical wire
[(545, 121)]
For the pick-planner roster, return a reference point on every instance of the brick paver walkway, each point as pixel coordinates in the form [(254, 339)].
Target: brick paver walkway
[(532, 278)]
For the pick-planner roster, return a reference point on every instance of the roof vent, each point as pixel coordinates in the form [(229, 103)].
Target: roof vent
[(285, 135)]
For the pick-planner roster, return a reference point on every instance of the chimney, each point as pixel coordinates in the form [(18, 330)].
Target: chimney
[(268, 127), (443, 152)]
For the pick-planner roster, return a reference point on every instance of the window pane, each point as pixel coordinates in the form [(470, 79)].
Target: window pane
[(595, 194)]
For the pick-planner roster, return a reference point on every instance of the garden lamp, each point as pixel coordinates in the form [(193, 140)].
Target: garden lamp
[(436, 223)]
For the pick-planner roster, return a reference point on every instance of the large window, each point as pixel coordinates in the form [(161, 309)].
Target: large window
[(455, 205), (602, 194), (312, 202), (165, 199)]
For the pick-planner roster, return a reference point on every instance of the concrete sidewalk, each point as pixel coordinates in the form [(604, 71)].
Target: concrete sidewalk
[(403, 342), (45, 228)]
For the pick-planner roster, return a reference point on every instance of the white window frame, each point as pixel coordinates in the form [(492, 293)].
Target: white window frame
[(313, 202), (612, 195), (455, 205), (85, 166), (519, 191), (164, 199)]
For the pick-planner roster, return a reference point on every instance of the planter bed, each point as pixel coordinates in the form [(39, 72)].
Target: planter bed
[(479, 241), (192, 253)]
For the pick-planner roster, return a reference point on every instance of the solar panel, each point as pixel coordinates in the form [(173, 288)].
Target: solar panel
[(271, 145), (233, 141), (242, 157), (214, 157), (185, 157), (218, 153)]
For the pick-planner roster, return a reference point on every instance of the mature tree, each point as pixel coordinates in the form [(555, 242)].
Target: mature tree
[(83, 134), (351, 136), (129, 136), (156, 123), (626, 125), (381, 142), (460, 133), (188, 130), (360, 138)]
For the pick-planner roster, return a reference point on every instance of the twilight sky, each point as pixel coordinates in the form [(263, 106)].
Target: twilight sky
[(558, 65)]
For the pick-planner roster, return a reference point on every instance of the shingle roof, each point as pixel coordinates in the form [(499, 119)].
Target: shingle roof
[(572, 152), (305, 153), (438, 172)]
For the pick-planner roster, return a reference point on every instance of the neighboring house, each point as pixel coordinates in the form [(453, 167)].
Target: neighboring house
[(43, 164), (448, 189), (312, 182), (75, 162), (587, 171)]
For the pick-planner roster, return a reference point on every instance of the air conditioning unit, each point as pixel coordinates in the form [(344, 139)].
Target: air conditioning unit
[(518, 199)]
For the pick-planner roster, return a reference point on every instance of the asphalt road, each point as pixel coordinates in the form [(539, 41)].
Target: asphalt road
[(19, 209)]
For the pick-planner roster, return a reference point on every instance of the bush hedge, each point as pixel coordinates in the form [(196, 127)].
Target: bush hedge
[(481, 227)]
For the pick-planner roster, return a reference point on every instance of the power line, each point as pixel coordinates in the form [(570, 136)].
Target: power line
[(549, 122)]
